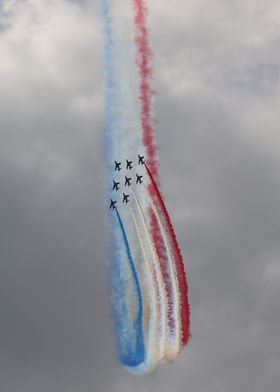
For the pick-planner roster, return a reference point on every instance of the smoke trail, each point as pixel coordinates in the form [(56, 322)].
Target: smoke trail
[(152, 353), (183, 287), (144, 56), (117, 280), (111, 123), (173, 294), (149, 291), (161, 295), (143, 60), (128, 331), (137, 357)]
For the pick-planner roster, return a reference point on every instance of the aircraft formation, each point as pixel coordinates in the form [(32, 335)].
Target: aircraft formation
[(127, 180)]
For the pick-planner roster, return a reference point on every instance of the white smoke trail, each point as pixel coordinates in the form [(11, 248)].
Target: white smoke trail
[(159, 279), (175, 339), (152, 353)]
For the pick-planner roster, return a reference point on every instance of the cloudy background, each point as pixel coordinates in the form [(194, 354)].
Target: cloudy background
[(218, 81)]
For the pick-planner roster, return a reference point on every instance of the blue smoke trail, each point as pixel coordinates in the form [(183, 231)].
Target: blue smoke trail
[(134, 359), (129, 333), (118, 289), (111, 84)]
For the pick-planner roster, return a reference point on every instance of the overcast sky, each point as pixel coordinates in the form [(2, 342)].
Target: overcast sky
[(217, 75)]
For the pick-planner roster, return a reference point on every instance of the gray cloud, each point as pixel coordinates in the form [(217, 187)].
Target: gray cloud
[(217, 77)]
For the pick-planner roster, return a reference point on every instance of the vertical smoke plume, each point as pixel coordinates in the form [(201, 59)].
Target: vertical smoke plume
[(144, 57)]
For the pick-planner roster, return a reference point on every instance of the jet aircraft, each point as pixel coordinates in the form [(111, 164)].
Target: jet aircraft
[(116, 186), (113, 205), (140, 160), (138, 179), (117, 166), (125, 198), (128, 164), (127, 181)]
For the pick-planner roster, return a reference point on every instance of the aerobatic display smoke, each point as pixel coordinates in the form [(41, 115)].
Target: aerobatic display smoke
[(149, 292)]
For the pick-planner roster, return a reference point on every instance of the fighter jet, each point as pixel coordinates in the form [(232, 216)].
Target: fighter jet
[(138, 179), (125, 198), (116, 185), (128, 164), (140, 160), (117, 166), (113, 205), (127, 181)]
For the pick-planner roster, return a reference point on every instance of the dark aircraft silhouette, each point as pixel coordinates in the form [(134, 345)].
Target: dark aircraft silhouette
[(113, 205), (138, 179), (140, 160), (127, 181), (128, 164), (117, 166), (125, 198), (116, 186)]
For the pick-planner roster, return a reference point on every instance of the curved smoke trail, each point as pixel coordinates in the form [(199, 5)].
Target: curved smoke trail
[(133, 357), (183, 287), (149, 291)]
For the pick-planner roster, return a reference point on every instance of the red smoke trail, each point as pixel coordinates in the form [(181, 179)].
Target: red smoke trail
[(183, 287), (144, 56)]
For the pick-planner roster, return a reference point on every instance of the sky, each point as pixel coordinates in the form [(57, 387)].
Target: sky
[(217, 77)]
